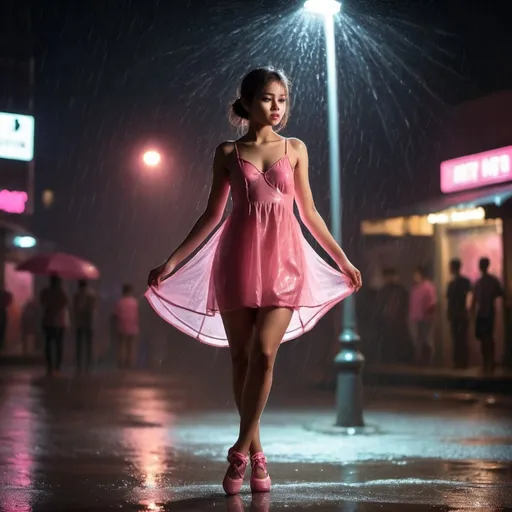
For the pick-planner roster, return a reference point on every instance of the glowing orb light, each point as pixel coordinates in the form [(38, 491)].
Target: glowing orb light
[(151, 158)]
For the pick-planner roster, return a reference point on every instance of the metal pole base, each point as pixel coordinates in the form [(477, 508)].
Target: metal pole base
[(349, 384), (349, 398)]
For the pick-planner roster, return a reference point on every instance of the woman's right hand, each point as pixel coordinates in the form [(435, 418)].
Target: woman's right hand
[(158, 274)]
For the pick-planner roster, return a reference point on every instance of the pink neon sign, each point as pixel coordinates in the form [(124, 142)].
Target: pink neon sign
[(13, 201), (478, 170)]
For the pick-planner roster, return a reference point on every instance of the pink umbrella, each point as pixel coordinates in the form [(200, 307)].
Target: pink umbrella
[(61, 264)]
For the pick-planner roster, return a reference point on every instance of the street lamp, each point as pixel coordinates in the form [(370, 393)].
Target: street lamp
[(349, 361), (151, 158), (323, 7)]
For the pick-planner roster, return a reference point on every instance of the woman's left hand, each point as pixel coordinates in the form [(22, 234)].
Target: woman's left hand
[(353, 273)]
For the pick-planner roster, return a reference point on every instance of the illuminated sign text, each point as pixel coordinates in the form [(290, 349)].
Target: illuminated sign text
[(476, 170)]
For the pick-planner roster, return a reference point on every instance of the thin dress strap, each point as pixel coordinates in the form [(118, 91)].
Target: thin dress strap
[(236, 150), (285, 146)]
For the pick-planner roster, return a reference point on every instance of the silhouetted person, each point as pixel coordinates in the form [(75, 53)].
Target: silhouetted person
[(459, 295), (84, 312), (127, 325), (29, 326), (55, 305), (487, 290), (422, 307), (393, 305), (5, 302)]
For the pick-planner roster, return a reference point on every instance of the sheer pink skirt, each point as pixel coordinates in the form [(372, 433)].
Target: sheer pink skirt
[(255, 259)]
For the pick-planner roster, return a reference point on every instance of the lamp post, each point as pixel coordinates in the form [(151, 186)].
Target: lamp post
[(349, 361)]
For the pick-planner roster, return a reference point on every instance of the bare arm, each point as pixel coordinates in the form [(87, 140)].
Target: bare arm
[(469, 301), (469, 298), (214, 209), (312, 219), (207, 221), (432, 299)]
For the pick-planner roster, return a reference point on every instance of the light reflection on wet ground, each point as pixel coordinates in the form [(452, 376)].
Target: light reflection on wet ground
[(142, 442)]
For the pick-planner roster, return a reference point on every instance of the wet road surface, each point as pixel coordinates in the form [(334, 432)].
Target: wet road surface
[(140, 441)]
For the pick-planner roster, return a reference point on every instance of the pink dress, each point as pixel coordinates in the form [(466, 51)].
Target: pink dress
[(127, 315), (257, 258)]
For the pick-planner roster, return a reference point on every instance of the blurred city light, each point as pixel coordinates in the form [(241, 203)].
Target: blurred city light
[(13, 201), (151, 158), (48, 198), (323, 7), (24, 242), (456, 216)]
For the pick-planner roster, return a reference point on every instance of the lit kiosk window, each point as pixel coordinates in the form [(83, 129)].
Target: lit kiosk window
[(16, 162)]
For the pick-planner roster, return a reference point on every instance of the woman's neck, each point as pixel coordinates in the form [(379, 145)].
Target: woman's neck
[(260, 134)]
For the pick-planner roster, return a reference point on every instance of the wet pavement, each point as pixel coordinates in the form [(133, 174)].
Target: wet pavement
[(142, 441)]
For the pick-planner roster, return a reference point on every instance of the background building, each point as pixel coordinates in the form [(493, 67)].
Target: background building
[(469, 218), (16, 158)]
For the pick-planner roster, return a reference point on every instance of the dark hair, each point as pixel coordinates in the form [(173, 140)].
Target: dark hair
[(455, 265), (127, 289), (252, 84), (55, 280), (484, 264), (421, 270)]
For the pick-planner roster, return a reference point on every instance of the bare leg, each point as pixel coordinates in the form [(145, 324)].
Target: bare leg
[(130, 342), (271, 324), (24, 343), (121, 341), (239, 327)]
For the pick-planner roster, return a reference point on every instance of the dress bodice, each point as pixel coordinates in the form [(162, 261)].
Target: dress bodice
[(252, 185)]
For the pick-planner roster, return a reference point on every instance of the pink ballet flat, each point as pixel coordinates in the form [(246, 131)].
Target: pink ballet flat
[(258, 460), (238, 463)]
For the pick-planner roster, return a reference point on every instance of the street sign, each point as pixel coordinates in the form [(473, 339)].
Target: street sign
[(16, 137), (478, 170)]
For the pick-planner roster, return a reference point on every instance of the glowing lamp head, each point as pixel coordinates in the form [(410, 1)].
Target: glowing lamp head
[(323, 7), (151, 158)]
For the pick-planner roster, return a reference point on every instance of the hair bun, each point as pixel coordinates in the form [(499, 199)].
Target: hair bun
[(239, 109)]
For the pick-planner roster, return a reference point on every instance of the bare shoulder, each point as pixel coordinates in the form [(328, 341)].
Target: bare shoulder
[(298, 152), (298, 147)]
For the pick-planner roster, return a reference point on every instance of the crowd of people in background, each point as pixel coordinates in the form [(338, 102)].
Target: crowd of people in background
[(406, 318), (5, 302), (61, 314)]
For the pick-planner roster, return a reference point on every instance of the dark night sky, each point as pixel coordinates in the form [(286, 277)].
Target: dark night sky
[(113, 75)]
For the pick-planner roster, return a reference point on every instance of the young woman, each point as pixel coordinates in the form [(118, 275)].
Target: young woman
[(256, 282)]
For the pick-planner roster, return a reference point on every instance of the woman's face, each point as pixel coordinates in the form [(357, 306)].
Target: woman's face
[(269, 107)]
